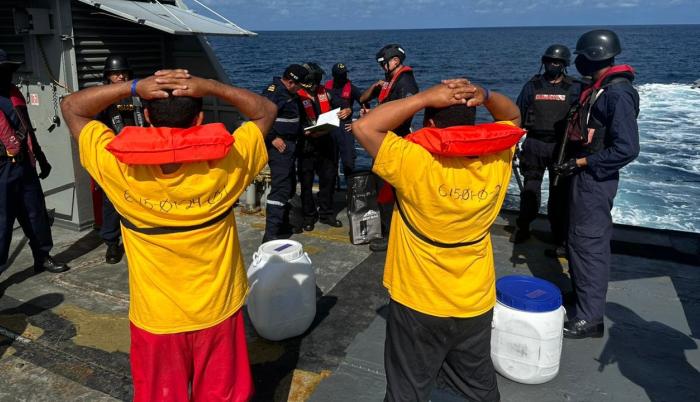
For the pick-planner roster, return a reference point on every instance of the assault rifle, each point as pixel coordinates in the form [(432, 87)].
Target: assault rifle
[(516, 166)]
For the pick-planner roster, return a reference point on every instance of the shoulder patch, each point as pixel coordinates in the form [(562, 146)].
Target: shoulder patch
[(272, 88)]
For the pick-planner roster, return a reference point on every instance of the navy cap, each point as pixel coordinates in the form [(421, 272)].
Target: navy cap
[(5, 62), (296, 73), (339, 69)]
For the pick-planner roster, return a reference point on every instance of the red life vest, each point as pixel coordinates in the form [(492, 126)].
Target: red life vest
[(162, 145), (308, 102), (579, 128), (347, 89), (460, 141), (12, 138), (389, 85)]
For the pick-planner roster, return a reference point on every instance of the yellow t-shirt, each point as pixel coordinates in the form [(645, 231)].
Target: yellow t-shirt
[(448, 200), (188, 280)]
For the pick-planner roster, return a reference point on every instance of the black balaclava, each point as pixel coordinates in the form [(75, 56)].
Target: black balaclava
[(552, 71), (340, 80), (587, 67)]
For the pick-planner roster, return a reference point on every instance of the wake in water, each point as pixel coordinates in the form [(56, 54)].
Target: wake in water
[(662, 187)]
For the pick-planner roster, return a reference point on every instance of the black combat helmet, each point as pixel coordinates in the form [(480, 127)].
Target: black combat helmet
[(389, 51), (598, 45), (315, 75), (116, 63), (558, 52)]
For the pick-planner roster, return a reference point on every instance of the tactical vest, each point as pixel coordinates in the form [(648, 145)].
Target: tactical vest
[(587, 133), (545, 118), (125, 113)]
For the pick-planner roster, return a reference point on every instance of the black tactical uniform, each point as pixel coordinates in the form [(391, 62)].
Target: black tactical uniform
[(544, 103)]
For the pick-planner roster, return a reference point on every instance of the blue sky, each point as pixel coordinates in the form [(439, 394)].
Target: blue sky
[(407, 14)]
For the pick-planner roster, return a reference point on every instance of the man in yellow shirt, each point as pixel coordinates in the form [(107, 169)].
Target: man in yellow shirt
[(439, 266), (186, 276)]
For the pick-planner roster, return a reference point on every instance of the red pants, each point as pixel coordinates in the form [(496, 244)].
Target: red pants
[(206, 365)]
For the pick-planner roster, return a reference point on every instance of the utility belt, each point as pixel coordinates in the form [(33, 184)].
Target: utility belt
[(20, 157)]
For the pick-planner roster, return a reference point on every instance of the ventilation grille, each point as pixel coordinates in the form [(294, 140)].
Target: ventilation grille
[(98, 34)]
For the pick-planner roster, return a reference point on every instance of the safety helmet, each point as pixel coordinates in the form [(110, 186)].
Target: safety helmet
[(558, 52), (390, 51), (116, 63), (599, 44)]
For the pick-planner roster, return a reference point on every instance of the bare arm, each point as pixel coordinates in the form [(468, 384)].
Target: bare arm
[(372, 128), (79, 108), (256, 108), (368, 95), (502, 108)]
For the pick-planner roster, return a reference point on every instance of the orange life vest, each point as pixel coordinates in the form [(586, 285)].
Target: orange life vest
[(460, 141), (389, 85), (163, 145), (347, 89), (307, 101)]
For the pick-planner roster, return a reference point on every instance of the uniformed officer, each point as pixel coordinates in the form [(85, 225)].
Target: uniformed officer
[(544, 103), (398, 83), (127, 112), (281, 149), (317, 154), (21, 194), (603, 137), (344, 95)]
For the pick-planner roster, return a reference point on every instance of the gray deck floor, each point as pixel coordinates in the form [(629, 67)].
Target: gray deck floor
[(64, 337)]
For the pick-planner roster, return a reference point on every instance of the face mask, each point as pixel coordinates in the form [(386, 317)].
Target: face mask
[(552, 71), (584, 66)]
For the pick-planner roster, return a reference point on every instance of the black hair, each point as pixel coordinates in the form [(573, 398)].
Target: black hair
[(173, 111), (455, 115)]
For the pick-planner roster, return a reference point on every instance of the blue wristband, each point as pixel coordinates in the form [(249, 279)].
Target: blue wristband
[(487, 94), (133, 87)]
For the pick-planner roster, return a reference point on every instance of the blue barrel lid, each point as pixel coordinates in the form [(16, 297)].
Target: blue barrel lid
[(528, 294)]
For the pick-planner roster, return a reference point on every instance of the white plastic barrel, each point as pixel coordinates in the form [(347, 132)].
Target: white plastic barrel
[(282, 299), (527, 334)]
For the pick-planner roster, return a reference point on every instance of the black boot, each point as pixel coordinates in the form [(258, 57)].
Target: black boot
[(113, 254), (332, 222), (579, 329), (50, 265), (379, 244), (519, 235)]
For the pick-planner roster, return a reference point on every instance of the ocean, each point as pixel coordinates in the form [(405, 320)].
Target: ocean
[(660, 189)]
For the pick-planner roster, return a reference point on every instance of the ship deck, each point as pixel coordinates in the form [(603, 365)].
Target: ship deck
[(66, 336)]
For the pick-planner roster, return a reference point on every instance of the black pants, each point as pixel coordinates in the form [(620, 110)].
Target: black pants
[(323, 163), (110, 229), (589, 242), (535, 157), (21, 197), (421, 347), (345, 144), (282, 189)]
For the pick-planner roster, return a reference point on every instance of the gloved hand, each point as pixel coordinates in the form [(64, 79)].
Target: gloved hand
[(44, 166), (566, 168)]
